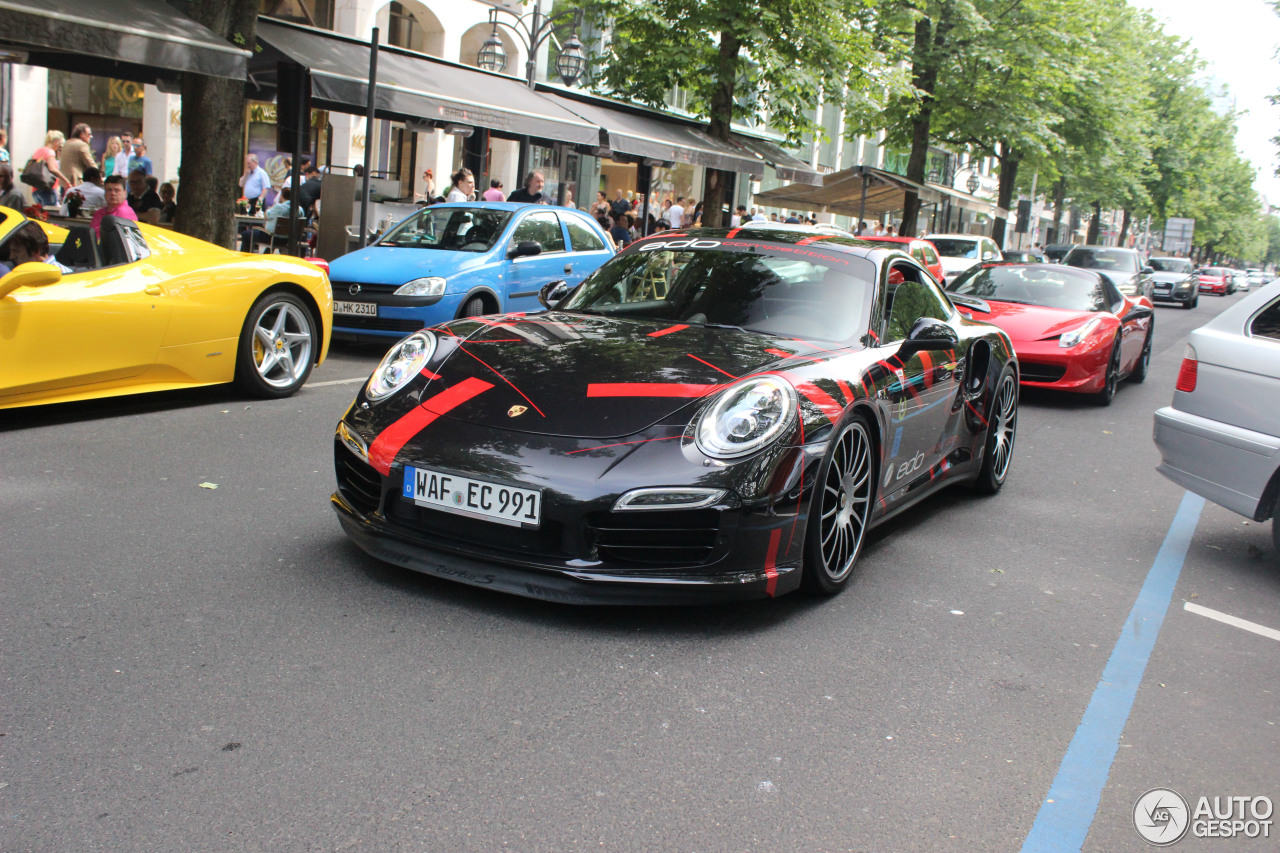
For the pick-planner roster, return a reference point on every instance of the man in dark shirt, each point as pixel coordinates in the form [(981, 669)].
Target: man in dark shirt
[(531, 192), (620, 205), (309, 190), (142, 199)]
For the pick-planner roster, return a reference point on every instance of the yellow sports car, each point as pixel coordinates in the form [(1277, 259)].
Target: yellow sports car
[(148, 309)]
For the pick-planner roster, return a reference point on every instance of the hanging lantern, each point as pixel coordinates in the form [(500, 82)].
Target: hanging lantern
[(572, 61), (491, 56)]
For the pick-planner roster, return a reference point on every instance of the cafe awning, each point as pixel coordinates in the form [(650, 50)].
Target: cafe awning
[(787, 166), (140, 40), (842, 192), (411, 86), (649, 135)]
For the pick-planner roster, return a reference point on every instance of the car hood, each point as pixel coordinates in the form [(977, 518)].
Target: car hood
[(1170, 277), (396, 265), (951, 266), (1033, 322), (596, 377), (1125, 282)]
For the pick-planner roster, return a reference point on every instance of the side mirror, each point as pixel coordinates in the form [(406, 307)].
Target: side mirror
[(1148, 270), (553, 293), (525, 248), (29, 275), (928, 334)]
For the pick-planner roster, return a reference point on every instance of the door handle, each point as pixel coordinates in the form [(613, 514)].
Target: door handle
[(153, 290), (568, 268)]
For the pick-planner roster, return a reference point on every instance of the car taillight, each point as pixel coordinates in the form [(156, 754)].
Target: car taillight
[(1187, 374)]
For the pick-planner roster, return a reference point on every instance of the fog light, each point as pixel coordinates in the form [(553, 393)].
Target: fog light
[(672, 498)]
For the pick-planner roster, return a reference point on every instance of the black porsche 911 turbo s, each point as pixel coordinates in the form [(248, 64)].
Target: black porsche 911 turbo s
[(712, 415)]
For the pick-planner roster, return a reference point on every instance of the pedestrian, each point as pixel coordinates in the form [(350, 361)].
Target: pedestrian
[(91, 191), (675, 214), (168, 198), (879, 231), (76, 154), (117, 204), (464, 186), (4, 145), (601, 205), (44, 185), (695, 218), (10, 196), (126, 151), (531, 192), (109, 156), (428, 186), (862, 227), (792, 219), (254, 183), (618, 230), (620, 204), (494, 193), (268, 232), (143, 200), (140, 160), (738, 216), (309, 190)]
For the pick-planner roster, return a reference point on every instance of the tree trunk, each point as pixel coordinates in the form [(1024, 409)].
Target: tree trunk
[(721, 119), (1059, 199), (1124, 228), (1008, 177), (213, 131), (926, 57), (1095, 224)]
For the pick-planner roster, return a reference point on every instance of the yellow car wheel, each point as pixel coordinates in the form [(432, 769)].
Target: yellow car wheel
[(277, 346)]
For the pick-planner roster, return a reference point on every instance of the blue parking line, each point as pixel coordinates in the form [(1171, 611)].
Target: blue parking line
[(1067, 812)]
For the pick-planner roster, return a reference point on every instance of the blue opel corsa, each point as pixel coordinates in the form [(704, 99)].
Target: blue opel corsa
[(462, 260)]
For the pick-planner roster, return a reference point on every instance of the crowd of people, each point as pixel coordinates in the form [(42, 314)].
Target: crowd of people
[(64, 173)]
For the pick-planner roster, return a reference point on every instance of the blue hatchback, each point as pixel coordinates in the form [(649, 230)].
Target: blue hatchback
[(462, 260)]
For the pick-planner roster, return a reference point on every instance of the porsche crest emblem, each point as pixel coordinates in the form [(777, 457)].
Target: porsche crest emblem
[(516, 411)]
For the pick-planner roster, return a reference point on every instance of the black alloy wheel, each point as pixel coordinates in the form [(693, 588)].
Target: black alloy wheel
[(840, 509), (1002, 430), (1140, 370), (1112, 380)]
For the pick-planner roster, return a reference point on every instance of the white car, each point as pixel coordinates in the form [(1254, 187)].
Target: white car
[(1221, 437), (958, 252)]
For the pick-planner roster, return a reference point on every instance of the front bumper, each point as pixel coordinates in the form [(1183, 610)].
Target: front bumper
[(1225, 464), (1080, 369), (1174, 294)]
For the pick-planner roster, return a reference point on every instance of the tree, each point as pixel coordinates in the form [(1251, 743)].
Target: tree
[(770, 60), (212, 128)]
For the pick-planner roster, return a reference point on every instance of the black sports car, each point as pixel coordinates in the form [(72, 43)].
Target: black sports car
[(711, 416)]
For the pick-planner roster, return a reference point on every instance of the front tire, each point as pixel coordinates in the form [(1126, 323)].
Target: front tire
[(1002, 429), (277, 346), (1112, 379), (474, 307), (839, 510)]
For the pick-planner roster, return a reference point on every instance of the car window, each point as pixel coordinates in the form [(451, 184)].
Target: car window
[(1119, 260), (930, 256), (1181, 265), (909, 297), (918, 253), (449, 228), (581, 237), (122, 243), (956, 247), (1040, 284), (1267, 323), (989, 250), (542, 227)]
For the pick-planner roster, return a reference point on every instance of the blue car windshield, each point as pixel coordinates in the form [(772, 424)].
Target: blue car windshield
[(454, 229)]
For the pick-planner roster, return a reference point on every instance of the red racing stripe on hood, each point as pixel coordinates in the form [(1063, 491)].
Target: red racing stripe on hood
[(668, 330), (649, 389), (383, 450)]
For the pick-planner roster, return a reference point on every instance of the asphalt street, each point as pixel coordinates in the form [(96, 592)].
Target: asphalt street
[(188, 668)]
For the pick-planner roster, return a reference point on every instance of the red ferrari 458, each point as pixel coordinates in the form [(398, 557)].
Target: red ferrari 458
[(1071, 328)]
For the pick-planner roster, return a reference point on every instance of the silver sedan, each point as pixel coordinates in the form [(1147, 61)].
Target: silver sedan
[(1221, 437)]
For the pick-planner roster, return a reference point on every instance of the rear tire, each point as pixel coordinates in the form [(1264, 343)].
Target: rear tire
[(277, 346), (1112, 379), (839, 510), (1002, 430)]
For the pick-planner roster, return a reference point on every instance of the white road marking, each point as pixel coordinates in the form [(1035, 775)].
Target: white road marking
[(1235, 621), (336, 382)]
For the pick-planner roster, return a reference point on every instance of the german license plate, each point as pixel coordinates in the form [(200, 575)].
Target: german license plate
[(1163, 288), (365, 309), (508, 505)]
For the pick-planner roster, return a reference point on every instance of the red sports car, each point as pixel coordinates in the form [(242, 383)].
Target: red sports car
[(1071, 328), (922, 250)]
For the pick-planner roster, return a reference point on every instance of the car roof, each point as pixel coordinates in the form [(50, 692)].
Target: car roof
[(957, 236), (782, 237)]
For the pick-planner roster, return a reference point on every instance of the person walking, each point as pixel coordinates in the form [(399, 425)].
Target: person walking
[(675, 214), (464, 186), (140, 160), (109, 156), (48, 155), (122, 159), (77, 155)]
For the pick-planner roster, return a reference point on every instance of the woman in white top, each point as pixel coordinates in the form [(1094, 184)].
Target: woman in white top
[(464, 186)]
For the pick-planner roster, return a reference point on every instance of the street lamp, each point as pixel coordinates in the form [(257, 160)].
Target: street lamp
[(533, 30), (973, 183)]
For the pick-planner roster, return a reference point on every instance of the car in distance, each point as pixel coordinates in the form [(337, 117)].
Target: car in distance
[(1220, 438), (770, 225), (1241, 280), (153, 310), (461, 260), (922, 250), (1175, 280), (961, 251), (1022, 256), (1124, 267), (712, 415), (1215, 280), (1055, 252), (1257, 277), (1071, 328)]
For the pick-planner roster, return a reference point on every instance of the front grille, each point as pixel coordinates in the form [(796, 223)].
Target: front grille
[(546, 540), (1033, 372), (341, 289), (359, 483), (376, 324), (664, 537)]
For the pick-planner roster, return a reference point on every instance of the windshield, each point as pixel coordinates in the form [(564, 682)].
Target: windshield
[(1171, 265), (784, 296), (1051, 286), (457, 229), (955, 247), (1216, 272), (1117, 260)]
